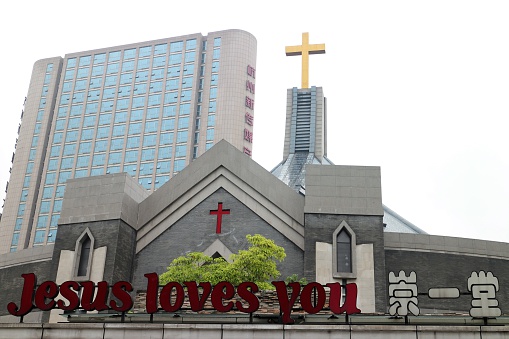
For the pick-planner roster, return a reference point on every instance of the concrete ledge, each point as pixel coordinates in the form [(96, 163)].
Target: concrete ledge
[(29, 255)]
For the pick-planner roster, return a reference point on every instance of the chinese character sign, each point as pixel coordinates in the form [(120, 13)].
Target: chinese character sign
[(483, 287), (403, 294)]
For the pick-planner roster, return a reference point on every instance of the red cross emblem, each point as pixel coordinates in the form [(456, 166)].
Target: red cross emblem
[(219, 212)]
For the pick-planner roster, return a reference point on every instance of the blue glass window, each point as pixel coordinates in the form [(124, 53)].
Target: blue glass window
[(168, 125), (103, 132), (188, 70), (115, 158), (45, 207), (97, 82), (83, 161), (57, 206), (143, 63), (216, 54), (131, 169), (138, 102), (183, 122), (113, 169), (117, 144), (190, 44), (19, 222), (66, 164), (172, 84), (145, 182), (175, 59), (190, 56), (212, 106), (59, 193), (91, 108), (147, 168), (52, 235), (85, 147), (67, 86), (50, 179), (145, 51), (47, 192), (39, 237), (119, 130), (111, 80), (154, 99), (40, 115), (133, 142), (217, 42), (71, 136), (60, 124), (131, 156), (187, 82), (176, 46), (158, 74), (99, 58), (140, 89), (35, 139), (69, 149), (215, 67), (161, 180), (148, 154), (158, 61), (186, 95), (126, 78), (105, 118), (76, 109), (122, 104), (160, 49), (54, 220), (68, 76), (82, 73), (85, 60), (174, 71), (210, 134), (109, 93), (213, 93), (166, 138), (170, 97), (52, 164), (81, 173), (213, 80), (42, 220), (30, 168), (185, 109), (124, 91), (71, 63), (179, 165), (128, 66), (114, 56), (211, 120), (64, 99), (182, 136), (120, 117), (62, 111), (141, 76), (107, 106), (57, 138), (100, 146), (37, 128), (98, 159), (163, 167), (164, 153), (63, 176), (151, 126), (47, 77), (93, 95), (180, 151), (153, 112), (136, 115), (149, 140), (156, 86), (42, 103), (96, 171), (129, 53), (74, 123), (87, 134), (89, 120), (169, 111), (97, 70)]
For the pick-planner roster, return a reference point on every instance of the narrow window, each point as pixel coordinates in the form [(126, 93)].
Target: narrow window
[(84, 256), (344, 251)]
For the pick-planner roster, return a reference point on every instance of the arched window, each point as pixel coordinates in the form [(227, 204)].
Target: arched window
[(83, 255), (343, 248)]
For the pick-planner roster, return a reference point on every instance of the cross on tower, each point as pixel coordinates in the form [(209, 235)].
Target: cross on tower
[(305, 49), (219, 212)]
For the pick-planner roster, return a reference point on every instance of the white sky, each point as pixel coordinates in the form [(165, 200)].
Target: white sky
[(419, 88)]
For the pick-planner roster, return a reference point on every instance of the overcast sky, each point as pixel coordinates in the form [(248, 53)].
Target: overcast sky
[(420, 88)]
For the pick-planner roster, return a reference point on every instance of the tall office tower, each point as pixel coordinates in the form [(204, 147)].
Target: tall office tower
[(147, 109)]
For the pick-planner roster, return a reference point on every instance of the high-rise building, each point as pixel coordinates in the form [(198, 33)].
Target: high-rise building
[(147, 109)]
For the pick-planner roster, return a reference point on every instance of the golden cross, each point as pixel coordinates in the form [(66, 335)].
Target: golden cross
[(305, 49)]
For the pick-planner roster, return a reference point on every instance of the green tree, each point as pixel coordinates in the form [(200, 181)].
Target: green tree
[(257, 264)]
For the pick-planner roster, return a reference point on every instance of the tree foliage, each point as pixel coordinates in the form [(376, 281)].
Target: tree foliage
[(257, 264)]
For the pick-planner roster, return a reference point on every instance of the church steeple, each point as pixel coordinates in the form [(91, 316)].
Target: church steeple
[(306, 123)]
